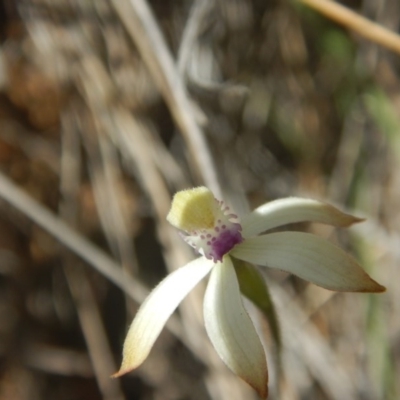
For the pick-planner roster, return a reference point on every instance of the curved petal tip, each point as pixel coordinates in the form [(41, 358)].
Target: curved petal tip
[(121, 372), (261, 390), (155, 311), (373, 287), (292, 210), (311, 258)]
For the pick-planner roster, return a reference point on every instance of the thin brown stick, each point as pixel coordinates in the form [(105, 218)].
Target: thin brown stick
[(370, 30)]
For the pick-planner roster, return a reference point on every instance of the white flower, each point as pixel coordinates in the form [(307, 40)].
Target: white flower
[(215, 232)]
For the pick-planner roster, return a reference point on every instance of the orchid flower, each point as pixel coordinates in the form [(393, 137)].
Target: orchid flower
[(216, 233)]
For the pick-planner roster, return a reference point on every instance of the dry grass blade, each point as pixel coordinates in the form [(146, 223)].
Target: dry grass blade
[(366, 28), (70, 238), (141, 25)]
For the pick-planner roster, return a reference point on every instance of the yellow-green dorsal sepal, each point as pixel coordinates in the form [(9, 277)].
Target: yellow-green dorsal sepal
[(193, 209)]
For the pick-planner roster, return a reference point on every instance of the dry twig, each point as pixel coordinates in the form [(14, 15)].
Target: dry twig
[(370, 30)]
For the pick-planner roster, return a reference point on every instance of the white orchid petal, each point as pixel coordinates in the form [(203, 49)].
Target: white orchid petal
[(310, 257), (156, 309), (231, 330), (291, 210)]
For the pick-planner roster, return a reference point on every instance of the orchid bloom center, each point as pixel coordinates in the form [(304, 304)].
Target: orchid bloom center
[(208, 224)]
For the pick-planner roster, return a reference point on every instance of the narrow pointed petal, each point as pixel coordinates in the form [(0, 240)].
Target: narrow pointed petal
[(291, 210), (252, 285), (310, 257), (156, 309), (231, 330)]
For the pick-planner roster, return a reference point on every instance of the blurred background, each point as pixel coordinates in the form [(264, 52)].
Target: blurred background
[(108, 107)]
